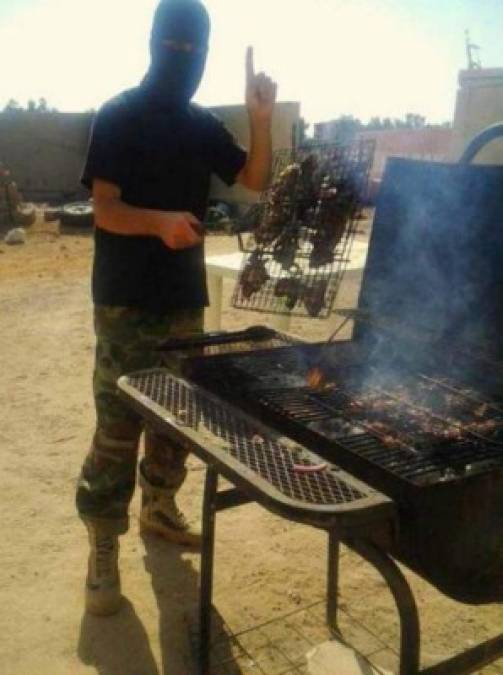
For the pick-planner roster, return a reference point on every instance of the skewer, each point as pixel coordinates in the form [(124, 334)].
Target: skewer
[(396, 435)]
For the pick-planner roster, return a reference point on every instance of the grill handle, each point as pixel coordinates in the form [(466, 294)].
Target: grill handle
[(480, 140), (252, 334)]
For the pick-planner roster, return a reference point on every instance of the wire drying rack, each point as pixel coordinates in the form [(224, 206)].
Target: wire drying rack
[(299, 246)]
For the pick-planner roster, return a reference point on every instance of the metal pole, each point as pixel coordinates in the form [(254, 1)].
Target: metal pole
[(332, 580), (207, 558), (405, 603)]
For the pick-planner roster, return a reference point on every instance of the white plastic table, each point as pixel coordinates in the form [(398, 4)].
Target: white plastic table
[(227, 266)]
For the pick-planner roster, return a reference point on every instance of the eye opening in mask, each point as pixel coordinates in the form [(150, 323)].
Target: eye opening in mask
[(185, 47)]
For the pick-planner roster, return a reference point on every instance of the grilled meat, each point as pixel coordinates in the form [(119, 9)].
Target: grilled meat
[(314, 297), (308, 187), (322, 252), (253, 276), (285, 249), (279, 210), (332, 214), (291, 288)]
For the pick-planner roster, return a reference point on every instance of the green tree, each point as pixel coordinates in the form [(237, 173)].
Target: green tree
[(414, 121), (346, 127), (42, 105), (12, 106), (375, 124)]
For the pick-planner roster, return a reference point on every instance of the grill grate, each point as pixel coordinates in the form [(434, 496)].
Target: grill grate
[(273, 385), (270, 459)]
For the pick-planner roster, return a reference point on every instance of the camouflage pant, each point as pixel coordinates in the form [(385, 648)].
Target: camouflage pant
[(126, 341)]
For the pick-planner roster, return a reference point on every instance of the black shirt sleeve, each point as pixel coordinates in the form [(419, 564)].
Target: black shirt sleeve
[(107, 155), (227, 157)]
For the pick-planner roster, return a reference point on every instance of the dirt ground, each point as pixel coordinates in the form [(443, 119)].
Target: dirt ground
[(270, 573)]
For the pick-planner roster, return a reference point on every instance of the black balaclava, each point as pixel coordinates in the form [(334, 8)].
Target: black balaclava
[(174, 75)]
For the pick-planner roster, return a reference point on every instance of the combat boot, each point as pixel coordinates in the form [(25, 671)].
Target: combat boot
[(103, 591), (160, 515)]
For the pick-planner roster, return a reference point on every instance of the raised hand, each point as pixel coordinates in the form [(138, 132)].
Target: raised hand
[(260, 92)]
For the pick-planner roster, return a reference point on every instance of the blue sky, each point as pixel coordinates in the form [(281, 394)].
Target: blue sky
[(360, 57)]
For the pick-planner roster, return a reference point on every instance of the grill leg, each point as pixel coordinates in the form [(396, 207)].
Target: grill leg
[(332, 580), (207, 558), (406, 605)]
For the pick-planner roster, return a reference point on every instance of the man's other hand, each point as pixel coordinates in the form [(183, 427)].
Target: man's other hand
[(180, 230), (177, 229)]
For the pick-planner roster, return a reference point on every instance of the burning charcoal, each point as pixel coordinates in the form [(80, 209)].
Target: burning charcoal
[(253, 276), (314, 297), (316, 378), (289, 287)]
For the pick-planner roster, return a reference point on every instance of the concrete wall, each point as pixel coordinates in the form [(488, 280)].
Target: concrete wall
[(284, 128), (45, 151), (479, 103)]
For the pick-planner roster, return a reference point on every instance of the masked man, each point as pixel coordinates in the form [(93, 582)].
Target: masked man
[(149, 163)]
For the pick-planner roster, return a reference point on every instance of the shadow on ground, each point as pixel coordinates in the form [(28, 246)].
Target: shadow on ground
[(120, 645)]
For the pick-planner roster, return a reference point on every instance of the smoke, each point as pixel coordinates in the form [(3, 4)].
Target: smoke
[(434, 275)]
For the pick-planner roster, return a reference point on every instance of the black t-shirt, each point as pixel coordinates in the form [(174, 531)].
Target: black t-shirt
[(161, 158)]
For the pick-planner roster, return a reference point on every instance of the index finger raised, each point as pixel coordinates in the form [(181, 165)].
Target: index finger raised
[(250, 69)]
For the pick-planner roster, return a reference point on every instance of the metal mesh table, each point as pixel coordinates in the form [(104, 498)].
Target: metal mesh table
[(271, 468)]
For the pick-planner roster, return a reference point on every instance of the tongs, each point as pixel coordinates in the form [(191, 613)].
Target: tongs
[(319, 362), (215, 338)]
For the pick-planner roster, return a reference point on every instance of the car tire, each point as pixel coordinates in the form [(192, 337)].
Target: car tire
[(25, 215), (77, 215)]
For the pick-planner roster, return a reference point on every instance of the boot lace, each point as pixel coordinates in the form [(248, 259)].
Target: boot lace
[(168, 507), (104, 556)]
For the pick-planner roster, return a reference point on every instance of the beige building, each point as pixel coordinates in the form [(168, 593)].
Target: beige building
[(427, 143), (479, 103)]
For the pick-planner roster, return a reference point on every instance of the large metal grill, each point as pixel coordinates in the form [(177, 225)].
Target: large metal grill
[(442, 485)]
